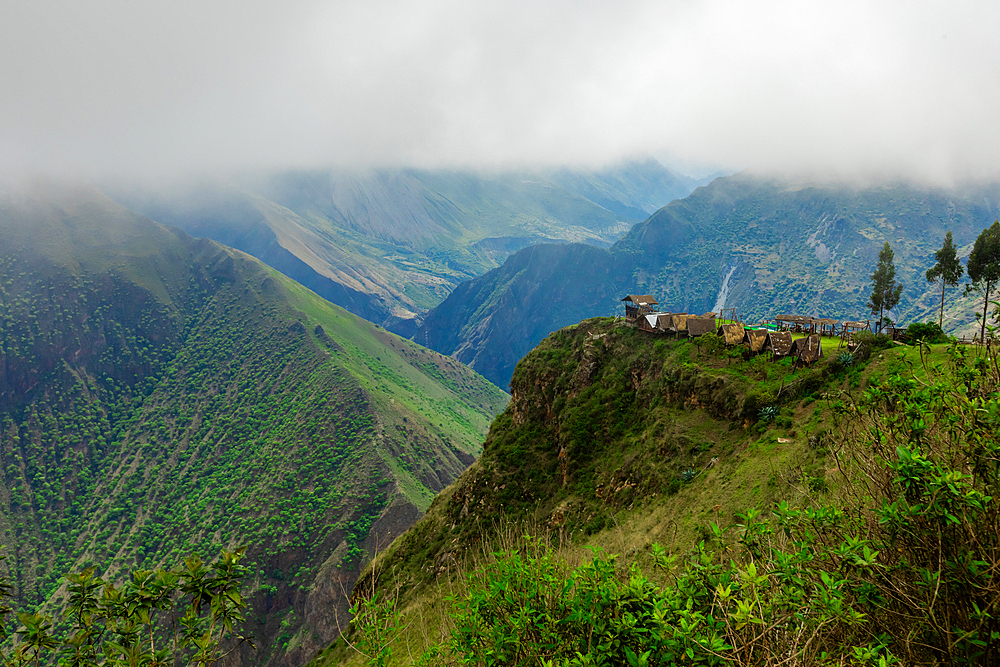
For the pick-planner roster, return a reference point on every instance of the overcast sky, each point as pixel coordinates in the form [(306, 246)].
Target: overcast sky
[(901, 89)]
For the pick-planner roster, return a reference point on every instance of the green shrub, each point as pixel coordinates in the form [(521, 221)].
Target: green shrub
[(845, 360), (867, 343), (929, 332), (194, 608)]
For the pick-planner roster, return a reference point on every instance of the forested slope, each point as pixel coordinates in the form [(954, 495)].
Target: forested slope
[(162, 395)]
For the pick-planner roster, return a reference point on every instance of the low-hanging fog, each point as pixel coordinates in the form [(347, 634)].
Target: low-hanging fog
[(855, 89)]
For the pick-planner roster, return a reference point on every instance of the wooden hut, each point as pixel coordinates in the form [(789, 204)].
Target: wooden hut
[(807, 350), (699, 326), (755, 339), (900, 334), (779, 343), (646, 322), (851, 329), (796, 323), (639, 304), (827, 327), (679, 323), (732, 333)]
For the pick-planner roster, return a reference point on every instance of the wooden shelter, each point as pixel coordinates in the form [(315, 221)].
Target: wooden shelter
[(779, 342), (796, 323), (900, 334), (851, 329), (699, 326), (755, 339), (827, 326), (807, 350), (663, 322), (732, 333), (647, 322), (639, 304), (679, 323)]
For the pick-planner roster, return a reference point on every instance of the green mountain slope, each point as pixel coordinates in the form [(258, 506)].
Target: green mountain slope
[(615, 439), (782, 502), (390, 244), (763, 246), (162, 395)]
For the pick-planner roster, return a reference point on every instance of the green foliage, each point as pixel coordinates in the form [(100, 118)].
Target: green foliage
[(845, 359), (377, 623), (885, 289), (984, 269), (712, 343), (768, 413), (872, 342), (898, 565), (179, 398), (947, 268), (189, 614), (928, 332)]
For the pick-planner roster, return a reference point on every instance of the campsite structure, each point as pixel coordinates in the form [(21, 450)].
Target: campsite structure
[(637, 305), (774, 336)]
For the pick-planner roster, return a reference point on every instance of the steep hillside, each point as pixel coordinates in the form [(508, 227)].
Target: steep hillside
[(162, 395), (618, 439), (762, 246), (649, 493), (390, 244), (488, 322)]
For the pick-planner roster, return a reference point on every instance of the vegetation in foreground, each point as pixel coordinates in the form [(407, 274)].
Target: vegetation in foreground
[(882, 549), (190, 614)]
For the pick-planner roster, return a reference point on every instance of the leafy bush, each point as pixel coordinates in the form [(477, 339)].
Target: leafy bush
[(929, 332), (159, 618), (768, 413), (873, 341), (755, 402), (711, 343)]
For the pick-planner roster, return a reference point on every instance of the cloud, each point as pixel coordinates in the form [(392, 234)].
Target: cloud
[(851, 89)]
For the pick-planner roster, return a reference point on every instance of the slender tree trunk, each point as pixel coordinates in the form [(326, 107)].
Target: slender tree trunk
[(986, 306), (941, 316)]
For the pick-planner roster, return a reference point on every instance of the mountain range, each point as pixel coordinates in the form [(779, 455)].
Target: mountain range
[(389, 244), (763, 246), (162, 395)]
